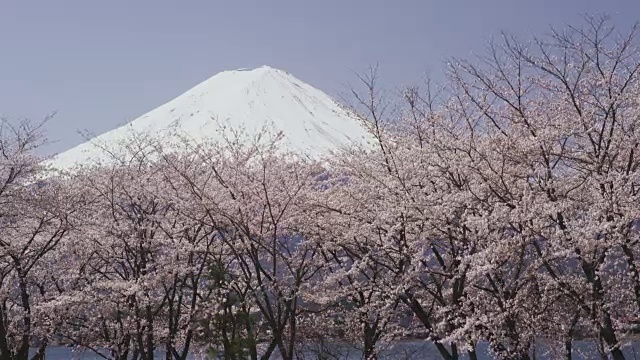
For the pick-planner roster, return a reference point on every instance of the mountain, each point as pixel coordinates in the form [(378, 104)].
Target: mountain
[(245, 101)]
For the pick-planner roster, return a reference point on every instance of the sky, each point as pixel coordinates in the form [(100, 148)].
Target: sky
[(101, 64)]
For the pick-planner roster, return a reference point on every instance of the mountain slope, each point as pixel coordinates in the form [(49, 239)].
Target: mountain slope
[(245, 100)]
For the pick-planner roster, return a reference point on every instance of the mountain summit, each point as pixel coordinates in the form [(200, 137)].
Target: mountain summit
[(247, 101)]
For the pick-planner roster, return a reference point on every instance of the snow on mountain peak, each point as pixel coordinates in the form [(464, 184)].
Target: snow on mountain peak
[(242, 100)]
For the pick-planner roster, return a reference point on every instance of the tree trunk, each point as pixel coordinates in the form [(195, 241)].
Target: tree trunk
[(422, 315), (39, 355), (270, 349), (23, 349), (369, 342), (472, 355), (568, 347)]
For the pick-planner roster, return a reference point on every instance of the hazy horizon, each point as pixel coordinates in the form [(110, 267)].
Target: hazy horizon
[(101, 65)]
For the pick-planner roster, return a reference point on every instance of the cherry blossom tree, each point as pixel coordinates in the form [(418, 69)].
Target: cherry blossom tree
[(558, 117), (141, 262), (35, 218), (397, 215), (255, 197)]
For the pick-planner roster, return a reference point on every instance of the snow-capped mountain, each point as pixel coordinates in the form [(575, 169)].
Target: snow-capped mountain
[(245, 101)]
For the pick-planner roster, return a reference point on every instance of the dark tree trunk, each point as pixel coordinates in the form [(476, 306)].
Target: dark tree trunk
[(472, 355)]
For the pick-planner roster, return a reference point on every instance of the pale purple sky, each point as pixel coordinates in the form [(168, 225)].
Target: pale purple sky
[(103, 63)]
